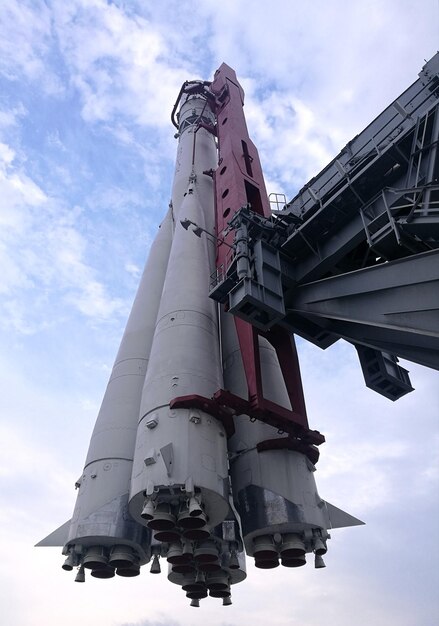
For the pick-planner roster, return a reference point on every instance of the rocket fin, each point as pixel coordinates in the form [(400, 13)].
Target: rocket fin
[(340, 519), (57, 538)]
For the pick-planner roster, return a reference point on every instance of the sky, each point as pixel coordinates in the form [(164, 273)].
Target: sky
[(86, 161)]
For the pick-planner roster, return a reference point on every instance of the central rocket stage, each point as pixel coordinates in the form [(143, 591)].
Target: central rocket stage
[(172, 472)]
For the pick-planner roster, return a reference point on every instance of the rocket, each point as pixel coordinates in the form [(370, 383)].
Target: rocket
[(201, 452)]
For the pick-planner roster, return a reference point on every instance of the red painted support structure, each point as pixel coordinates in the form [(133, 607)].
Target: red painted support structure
[(238, 182)]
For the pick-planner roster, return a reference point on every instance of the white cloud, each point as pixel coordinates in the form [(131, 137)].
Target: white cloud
[(122, 71), (11, 117), (364, 474), (28, 23), (7, 155), (41, 246), (282, 127), (133, 269)]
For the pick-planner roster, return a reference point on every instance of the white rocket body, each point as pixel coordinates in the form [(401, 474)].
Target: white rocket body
[(180, 452), (100, 519), (108, 467)]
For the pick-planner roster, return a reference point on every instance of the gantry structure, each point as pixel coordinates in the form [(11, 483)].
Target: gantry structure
[(355, 254)]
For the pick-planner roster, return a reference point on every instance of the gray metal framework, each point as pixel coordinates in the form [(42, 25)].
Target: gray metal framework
[(355, 254)]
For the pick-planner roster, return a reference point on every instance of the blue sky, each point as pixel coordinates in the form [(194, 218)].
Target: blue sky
[(86, 160)]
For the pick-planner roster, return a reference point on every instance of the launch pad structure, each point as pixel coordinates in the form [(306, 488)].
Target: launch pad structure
[(354, 254), (202, 452)]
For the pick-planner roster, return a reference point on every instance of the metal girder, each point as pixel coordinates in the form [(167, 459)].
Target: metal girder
[(380, 194), (393, 306), (372, 144)]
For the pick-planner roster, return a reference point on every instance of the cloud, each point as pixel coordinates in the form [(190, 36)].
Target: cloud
[(163, 622), (43, 251), (11, 117), (282, 125), (67, 253), (28, 23), (121, 72), (133, 269)]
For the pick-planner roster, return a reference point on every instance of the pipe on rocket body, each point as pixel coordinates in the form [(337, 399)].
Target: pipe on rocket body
[(184, 455), (196, 153), (274, 491), (100, 518)]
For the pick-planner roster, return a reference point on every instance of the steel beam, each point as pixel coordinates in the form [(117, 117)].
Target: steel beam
[(393, 306)]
